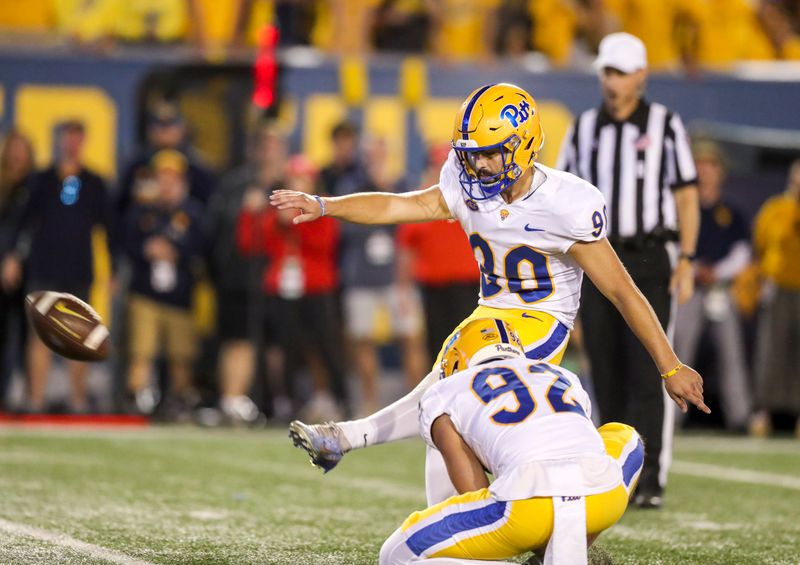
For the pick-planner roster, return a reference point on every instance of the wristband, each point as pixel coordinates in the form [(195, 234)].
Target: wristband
[(668, 374), (688, 256), (321, 203)]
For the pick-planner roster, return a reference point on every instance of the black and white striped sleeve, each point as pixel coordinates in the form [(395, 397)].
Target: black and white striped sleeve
[(568, 156), (680, 163)]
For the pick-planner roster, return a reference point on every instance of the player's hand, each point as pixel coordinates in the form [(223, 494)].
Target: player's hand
[(682, 282), (11, 272), (309, 207), (686, 384)]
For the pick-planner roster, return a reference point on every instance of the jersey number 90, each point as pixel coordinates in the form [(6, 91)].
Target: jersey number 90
[(511, 265)]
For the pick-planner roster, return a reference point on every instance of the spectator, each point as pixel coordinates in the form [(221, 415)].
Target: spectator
[(723, 252), (345, 174), (555, 25), (16, 167), (87, 22), (26, 16), (67, 203), (464, 30), (233, 273), (514, 19), (733, 33), (295, 19), (659, 25), (343, 26), (300, 281), (151, 21), (401, 26), (164, 239), (565, 29), (368, 265), (165, 130), (776, 18), (777, 245), (439, 259), (237, 23)]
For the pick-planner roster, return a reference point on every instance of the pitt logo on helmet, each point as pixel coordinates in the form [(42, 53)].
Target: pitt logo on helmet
[(511, 113), (496, 119)]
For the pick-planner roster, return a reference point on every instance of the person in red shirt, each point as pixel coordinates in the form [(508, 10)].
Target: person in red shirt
[(438, 257), (300, 281)]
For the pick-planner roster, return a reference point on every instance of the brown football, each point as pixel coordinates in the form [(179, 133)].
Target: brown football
[(67, 325)]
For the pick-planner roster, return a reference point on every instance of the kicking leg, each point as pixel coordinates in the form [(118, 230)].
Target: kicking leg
[(327, 443)]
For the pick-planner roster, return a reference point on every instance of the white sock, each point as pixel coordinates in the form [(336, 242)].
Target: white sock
[(399, 420), (438, 486)]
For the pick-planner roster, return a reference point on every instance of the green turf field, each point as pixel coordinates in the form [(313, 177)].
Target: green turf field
[(183, 495)]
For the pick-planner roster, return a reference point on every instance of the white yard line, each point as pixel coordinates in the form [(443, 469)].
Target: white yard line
[(723, 444), (64, 540), (718, 472)]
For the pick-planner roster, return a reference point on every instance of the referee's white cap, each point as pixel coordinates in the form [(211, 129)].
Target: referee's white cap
[(621, 51)]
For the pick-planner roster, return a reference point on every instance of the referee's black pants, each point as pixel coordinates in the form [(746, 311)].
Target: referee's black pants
[(627, 384)]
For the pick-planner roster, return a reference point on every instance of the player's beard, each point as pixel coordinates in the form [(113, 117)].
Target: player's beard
[(485, 176)]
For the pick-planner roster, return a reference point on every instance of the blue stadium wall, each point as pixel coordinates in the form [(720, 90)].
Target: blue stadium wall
[(407, 101)]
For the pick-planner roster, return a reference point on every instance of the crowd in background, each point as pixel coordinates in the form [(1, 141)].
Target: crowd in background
[(690, 34), (288, 297), (319, 299)]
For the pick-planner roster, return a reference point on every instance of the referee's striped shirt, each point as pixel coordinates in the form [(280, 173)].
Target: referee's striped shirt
[(636, 164)]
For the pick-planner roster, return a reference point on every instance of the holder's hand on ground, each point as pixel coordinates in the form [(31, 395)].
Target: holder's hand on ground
[(309, 207), (686, 384)]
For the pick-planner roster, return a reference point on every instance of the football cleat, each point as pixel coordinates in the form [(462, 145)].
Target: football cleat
[(648, 501), (324, 443)]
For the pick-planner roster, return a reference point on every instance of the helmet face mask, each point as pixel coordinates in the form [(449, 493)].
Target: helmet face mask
[(480, 341), (484, 188), (496, 117)]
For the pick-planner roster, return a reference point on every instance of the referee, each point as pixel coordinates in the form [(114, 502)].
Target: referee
[(637, 153)]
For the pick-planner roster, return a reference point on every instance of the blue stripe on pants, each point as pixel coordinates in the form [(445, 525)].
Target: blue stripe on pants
[(633, 462), (453, 524), (548, 347)]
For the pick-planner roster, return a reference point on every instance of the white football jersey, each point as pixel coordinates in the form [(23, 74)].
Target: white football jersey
[(521, 248), (524, 418)]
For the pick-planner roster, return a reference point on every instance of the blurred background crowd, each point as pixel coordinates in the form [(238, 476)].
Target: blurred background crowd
[(286, 297), (690, 34), (224, 311)]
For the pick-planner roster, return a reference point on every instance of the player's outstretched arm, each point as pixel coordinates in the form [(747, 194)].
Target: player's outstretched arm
[(603, 267), (366, 207), (465, 470)]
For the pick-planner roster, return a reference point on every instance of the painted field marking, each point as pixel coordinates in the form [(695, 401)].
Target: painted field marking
[(732, 445), (63, 540), (708, 471)]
